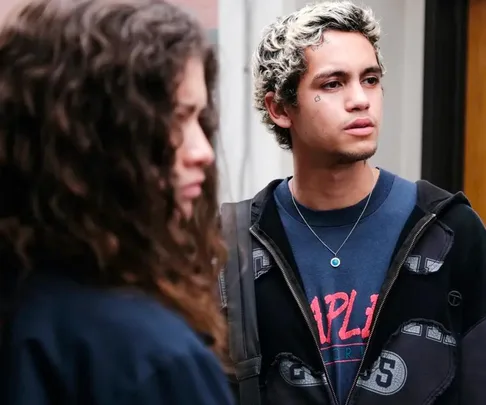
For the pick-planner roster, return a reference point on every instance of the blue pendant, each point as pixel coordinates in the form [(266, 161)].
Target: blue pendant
[(335, 262)]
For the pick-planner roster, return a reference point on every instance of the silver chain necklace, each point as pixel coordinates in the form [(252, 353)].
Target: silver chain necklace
[(335, 261)]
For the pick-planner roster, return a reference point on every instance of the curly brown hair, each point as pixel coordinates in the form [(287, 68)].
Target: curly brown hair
[(87, 94)]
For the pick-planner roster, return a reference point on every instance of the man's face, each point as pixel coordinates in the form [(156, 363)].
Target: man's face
[(340, 97)]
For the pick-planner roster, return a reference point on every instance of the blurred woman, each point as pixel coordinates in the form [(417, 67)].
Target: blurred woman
[(109, 244)]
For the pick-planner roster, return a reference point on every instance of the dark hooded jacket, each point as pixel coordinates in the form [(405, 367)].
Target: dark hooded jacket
[(428, 337)]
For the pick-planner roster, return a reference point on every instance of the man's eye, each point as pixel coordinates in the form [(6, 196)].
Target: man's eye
[(331, 85), (372, 80)]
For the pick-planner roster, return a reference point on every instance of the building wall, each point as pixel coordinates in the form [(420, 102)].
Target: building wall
[(248, 156), (402, 21), (207, 13), (6, 6), (206, 10)]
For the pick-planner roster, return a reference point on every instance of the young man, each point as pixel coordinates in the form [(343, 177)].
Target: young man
[(368, 289)]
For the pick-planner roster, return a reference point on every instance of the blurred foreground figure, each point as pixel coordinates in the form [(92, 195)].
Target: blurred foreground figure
[(109, 245), (358, 287)]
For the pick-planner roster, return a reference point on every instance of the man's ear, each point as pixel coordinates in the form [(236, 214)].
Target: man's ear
[(277, 112)]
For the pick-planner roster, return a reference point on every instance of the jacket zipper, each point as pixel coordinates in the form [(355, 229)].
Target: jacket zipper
[(282, 267), (426, 222)]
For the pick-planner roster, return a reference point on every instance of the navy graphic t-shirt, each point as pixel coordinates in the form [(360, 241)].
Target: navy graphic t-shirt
[(343, 299)]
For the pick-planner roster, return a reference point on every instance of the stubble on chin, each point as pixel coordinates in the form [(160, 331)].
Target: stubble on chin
[(348, 158)]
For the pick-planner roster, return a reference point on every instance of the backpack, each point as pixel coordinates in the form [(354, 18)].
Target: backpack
[(237, 290)]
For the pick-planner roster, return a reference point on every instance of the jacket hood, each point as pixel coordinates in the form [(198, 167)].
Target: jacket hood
[(433, 199)]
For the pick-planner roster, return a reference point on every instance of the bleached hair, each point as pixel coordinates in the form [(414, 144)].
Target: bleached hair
[(279, 61)]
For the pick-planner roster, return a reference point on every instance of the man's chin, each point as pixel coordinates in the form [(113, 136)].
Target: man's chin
[(350, 157)]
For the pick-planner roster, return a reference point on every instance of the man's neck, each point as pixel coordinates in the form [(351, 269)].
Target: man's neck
[(333, 187)]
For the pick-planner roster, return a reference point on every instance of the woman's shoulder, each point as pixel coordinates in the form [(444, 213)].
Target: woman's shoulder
[(126, 339), (76, 311)]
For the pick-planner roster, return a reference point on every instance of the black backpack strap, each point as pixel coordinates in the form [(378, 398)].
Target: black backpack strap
[(238, 295)]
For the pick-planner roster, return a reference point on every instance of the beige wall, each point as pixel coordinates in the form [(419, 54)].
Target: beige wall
[(7, 5), (206, 10)]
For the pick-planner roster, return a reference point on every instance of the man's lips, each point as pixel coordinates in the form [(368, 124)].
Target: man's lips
[(360, 127)]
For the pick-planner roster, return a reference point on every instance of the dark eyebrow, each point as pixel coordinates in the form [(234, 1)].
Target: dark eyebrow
[(343, 74)]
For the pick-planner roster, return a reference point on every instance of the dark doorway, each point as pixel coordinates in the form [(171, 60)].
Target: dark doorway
[(446, 25)]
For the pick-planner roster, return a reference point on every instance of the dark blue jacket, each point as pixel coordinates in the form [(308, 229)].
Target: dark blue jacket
[(427, 342), (72, 344)]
